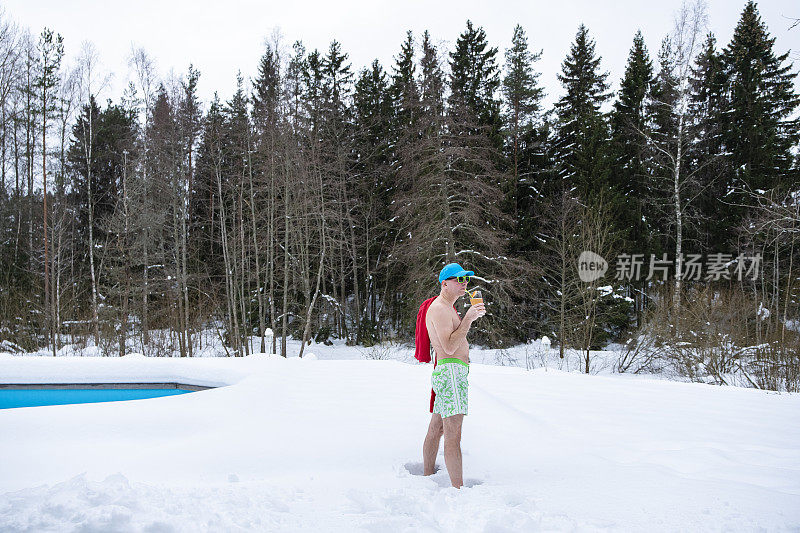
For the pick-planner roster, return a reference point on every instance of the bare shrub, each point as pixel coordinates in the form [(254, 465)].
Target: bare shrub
[(504, 357), (712, 339), (378, 352), (638, 352), (537, 355), (774, 365)]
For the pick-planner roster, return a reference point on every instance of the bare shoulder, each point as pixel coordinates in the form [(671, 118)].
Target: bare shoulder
[(437, 309), (440, 314)]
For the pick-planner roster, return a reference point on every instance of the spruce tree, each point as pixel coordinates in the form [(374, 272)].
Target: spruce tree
[(404, 90), (630, 169), (707, 158), (312, 94), (338, 84), (582, 136), (372, 107), (295, 80), (474, 82), (266, 90), (760, 129), (112, 133), (663, 99), (629, 175), (204, 217), (523, 97), (431, 80), (374, 188), (472, 182)]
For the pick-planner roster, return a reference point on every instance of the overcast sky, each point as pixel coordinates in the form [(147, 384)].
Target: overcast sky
[(221, 38)]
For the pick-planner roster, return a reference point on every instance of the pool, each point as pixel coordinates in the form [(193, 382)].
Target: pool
[(35, 395)]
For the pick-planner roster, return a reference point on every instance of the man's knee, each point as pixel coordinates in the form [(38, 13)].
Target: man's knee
[(436, 427), (435, 431)]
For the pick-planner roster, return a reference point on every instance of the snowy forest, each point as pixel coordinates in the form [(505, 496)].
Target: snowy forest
[(321, 199)]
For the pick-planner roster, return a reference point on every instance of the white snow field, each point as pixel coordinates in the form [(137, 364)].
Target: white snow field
[(335, 445)]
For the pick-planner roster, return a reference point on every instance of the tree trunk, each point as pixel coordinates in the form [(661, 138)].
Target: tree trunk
[(126, 258), (92, 273), (271, 241), (285, 312), (184, 251), (312, 302), (678, 216), (259, 288), (229, 288), (48, 299)]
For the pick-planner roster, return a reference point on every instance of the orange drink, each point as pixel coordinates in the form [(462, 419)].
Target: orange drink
[(475, 297)]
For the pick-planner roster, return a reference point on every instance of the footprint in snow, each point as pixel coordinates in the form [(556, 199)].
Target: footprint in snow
[(416, 469)]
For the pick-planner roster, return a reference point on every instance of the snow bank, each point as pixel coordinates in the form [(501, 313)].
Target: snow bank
[(336, 446)]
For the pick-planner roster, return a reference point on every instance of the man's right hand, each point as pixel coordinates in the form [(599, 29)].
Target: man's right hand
[(475, 312)]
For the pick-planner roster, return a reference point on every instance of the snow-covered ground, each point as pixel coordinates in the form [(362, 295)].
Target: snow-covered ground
[(333, 443)]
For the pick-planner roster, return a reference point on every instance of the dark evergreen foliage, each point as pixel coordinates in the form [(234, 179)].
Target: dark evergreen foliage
[(630, 167), (522, 99), (112, 133), (707, 155), (759, 124), (582, 137), (474, 83)]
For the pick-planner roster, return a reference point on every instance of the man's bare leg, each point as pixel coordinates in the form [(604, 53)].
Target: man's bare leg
[(431, 446), (452, 449)]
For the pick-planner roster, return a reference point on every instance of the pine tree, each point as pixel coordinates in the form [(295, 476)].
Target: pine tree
[(51, 51), (581, 139)]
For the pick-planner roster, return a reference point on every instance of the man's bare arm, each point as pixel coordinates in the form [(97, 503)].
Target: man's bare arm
[(449, 338)]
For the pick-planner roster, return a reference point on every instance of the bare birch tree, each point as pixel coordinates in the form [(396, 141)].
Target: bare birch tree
[(91, 84), (144, 74), (671, 140)]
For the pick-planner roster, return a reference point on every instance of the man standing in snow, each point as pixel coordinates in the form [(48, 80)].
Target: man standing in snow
[(448, 336)]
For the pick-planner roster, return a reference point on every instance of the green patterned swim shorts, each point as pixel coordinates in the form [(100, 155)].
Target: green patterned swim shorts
[(450, 384)]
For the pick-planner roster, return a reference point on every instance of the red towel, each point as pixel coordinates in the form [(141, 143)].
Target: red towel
[(423, 342)]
